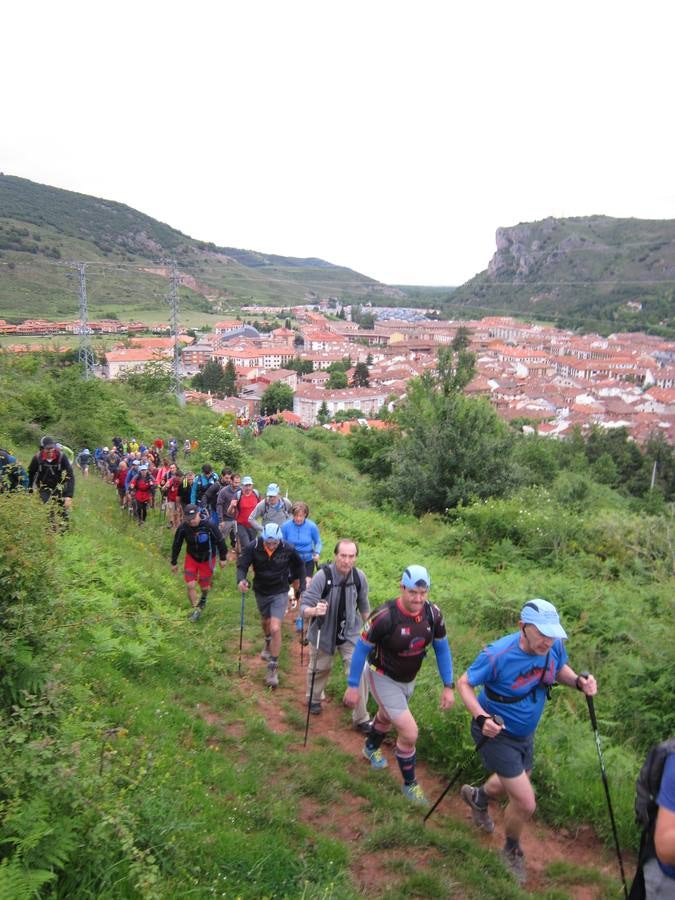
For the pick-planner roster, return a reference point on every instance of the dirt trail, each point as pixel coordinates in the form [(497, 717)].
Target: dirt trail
[(542, 845)]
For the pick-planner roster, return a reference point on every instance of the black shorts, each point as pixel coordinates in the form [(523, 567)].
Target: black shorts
[(505, 754)]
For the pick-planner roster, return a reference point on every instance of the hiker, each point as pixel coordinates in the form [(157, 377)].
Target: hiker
[(202, 541), (304, 535), (243, 504), (187, 447), (274, 508), (274, 563), (12, 474), (83, 461), (655, 814), (227, 495), (51, 475), (204, 480), (185, 492), (394, 643), (141, 488), (170, 489), (119, 480), (336, 602), (517, 673)]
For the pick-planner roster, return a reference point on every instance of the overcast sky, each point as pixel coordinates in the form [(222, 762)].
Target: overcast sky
[(393, 138)]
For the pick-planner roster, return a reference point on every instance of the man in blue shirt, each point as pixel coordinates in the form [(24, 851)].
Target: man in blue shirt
[(659, 872), (516, 673)]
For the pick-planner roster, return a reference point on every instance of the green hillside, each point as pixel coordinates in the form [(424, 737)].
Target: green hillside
[(595, 273), (44, 228), (144, 766)]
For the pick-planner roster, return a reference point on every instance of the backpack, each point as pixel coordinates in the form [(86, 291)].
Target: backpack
[(646, 791), (9, 470), (649, 782), (237, 496), (329, 581)]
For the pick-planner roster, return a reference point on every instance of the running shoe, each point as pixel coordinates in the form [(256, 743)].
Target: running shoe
[(272, 677), (195, 615), (514, 860), (415, 794), (375, 757), (480, 815)]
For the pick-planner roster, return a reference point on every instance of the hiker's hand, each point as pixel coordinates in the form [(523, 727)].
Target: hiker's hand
[(491, 728), (587, 684), (243, 585), (174, 568), (67, 502), (320, 609), (223, 563), (351, 697), (447, 698)]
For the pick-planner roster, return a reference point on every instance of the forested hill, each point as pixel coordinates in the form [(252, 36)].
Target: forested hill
[(597, 273), (42, 227)]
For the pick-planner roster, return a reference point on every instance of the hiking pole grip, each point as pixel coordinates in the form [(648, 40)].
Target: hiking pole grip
[(591, 704)]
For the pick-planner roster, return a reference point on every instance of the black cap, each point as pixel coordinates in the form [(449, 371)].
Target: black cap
[(47, 442), (191, 511)]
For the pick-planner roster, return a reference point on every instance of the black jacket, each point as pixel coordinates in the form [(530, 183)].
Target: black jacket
[(272, 574), (51, 476), (202, 541)]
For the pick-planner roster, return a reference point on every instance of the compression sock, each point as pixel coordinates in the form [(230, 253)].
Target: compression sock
[(407, 766), (202, 600)]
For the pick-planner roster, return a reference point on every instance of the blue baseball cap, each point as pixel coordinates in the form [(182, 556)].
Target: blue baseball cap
[(544, 616), (271, 532), (272, 490), (246, 480), (415, 576)]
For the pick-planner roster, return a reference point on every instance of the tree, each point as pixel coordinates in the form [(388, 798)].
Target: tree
[(229, 382), (212, 377), (323, 415), (277, 397), (461, 339), (336, 380), (301, 366), (221, 446), (452, 448), (361, 376)]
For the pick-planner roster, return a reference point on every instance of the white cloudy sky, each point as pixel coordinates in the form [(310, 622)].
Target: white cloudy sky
[(391, 137)]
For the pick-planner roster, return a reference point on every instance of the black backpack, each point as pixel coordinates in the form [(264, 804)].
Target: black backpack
[(646, 791), (329, 581)]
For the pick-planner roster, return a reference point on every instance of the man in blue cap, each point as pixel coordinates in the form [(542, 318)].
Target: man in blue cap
[(275, 563), (516, 673), (394, 643)]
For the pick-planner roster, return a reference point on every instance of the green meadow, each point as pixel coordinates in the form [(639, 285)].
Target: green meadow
[(141, 765)]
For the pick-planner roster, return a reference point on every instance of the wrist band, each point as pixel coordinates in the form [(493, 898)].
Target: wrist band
[(480, 721)]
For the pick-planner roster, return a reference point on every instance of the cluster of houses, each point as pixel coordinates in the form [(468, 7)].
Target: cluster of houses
[(548, 379)]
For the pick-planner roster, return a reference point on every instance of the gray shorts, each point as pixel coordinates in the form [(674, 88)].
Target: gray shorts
[(273, 607), (392, 696), (505, 754)]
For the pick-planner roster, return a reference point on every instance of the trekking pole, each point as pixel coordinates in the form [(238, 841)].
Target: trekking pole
[(498, 721), (594, 726), (241, 629), (311, 686)]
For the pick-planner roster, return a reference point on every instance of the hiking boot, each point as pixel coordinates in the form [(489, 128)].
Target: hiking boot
[(375, 758), (481, 817), (364, 727), (266, 652), (272, 677), (315, 707), (195, 615), (514, 860), (415, 794)]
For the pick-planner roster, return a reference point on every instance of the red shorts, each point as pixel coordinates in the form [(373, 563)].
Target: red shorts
[(199, 571)]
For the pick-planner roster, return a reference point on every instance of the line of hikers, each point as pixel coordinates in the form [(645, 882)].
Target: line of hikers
[(504, 689)]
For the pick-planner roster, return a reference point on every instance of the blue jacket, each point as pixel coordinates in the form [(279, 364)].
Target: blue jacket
[(305, 538)]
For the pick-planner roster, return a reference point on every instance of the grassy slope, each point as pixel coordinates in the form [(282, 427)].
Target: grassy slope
[(226, 821)]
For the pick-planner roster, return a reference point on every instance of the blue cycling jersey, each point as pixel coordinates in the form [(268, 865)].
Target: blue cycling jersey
[(511, 672)]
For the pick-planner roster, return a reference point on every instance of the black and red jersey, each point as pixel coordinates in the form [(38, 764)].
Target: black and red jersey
[(401, 639)]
